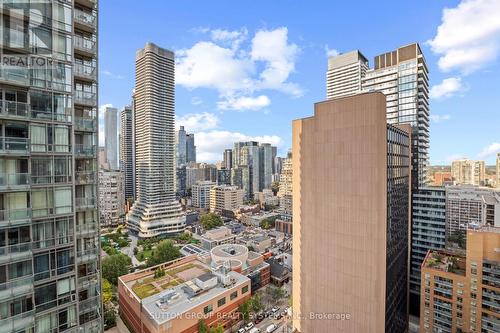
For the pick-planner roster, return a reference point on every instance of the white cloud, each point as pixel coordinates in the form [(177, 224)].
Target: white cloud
[(197, 121), (110, 74), (490, 150), (238, 72), (469, 36), (211, 144), (331, 52), (244, 103), (196, 100), (436, 118), (447, 88)]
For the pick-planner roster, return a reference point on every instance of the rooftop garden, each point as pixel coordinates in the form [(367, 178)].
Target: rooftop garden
[(446, 262)]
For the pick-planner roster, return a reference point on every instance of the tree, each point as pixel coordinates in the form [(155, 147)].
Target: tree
[(165, 251), (275, 186), (267, 223), (244, 309), (210, 221), (277, 293), (217, 329), (107, 291), (256, 304), (202, 326), (114, 266), (109, 316)]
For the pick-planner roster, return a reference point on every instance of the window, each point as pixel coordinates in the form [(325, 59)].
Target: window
[(221, 302), (208, 309), (233, 295), (244, 290)]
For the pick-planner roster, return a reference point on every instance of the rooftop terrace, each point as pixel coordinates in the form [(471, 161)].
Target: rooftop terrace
[(446, 261)]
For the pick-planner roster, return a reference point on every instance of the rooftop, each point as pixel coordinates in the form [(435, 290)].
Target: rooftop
[(446, 261)]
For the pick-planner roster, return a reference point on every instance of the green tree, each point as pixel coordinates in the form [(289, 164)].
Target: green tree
[(165, 251), (275, 187), (217, 329), (244, 310), (277, 293), (107, 291), (210, 221), (109, 316), (256, 304), (202, 326), (114, 266), (267, 223)]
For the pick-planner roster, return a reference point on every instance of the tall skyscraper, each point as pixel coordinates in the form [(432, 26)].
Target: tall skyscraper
[(266, 166), (468, 172), (49, 262), (228, 159), (127, 151), (180, 147), (190, 148), (111, 198), (111, 144), (351, 194), (156, 210), (286, 188), (344, 74)]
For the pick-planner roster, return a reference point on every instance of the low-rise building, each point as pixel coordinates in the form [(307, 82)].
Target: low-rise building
[(217, 236), (283, 226), (254, 219), (225, 197), (462, 293), (260, 243), (174, 296), (280, 274)]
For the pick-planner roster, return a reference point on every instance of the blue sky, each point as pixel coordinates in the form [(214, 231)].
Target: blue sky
[(246, 69)]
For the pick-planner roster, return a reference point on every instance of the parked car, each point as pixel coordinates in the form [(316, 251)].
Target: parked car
[(241, 330), (275, 309), (271, 328), (249, 326), (255, 330)]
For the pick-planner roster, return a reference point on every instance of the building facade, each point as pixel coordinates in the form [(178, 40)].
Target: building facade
[(111, 198), (200, 194), (344, 74), (468, 172), (227, 160), (155, 211), (351, 224), (461, 294), (49, 262), (127, 151), (111, 132), (224, 197)]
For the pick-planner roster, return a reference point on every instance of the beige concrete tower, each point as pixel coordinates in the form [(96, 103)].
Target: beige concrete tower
[(156, 210), (350, 253)]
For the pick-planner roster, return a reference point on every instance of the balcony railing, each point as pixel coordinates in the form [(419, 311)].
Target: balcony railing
[(17, 322), (87, 255), (85, 124), (84, 44), (88, 19), (89, 280), (16, 287), (85, 177), (85, 202), (13, 215), (8, 180), (15, 109), (85, 97), (48, 115), (89, 303), (85, 71), (14, 252), (14, 145), (86, 228), (84, 150)]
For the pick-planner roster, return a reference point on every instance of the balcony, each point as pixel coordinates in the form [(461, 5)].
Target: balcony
[(87, 255), (84, 151), (18, 323), (85, 177), (85, 124), (85, 203), (85, 20), (16, 288), (85, 45), (14, 146), (15, 217), (87, 229), (85, 72), (85, 98), (88, 281), (15, 252), (13, 109), (50, 116), (14, 181)]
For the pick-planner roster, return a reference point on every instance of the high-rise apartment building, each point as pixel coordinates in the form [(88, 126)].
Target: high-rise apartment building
[(471, 206), (266, 166), (227, 160), (224, 197), (184, 147), (468, 172), (127, 152), (200, 194), (460, 294), (111, 133), (155, 211), (351, 205), (111, 198), (344, 74), (250, 157), (190, 148), (49, 261), (429, 233), (224, 177), (285, 188)]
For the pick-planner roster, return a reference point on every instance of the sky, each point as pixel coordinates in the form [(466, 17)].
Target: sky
[(246, 69)]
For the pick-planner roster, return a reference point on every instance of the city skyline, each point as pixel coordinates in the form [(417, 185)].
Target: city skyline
[(203, 103)]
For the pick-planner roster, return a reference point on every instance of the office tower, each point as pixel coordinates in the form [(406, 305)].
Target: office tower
[(274, 152), (180, 181), (227, 161), (468, 172), (344, 74), (351, 193), (470, 206), (102, 159), (190, 148), (180, 146), (127, 151), (49, 268), (224, 177), (250, 157), (286, 189), (111, 145), (266, 165), (225, 197), (460, 294), (200, 194), (199, 172), (429, 233), (111, 198), (155, 211), (278, 165)]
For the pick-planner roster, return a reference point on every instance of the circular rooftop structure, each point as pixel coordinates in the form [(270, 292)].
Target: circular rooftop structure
[(234, 254)]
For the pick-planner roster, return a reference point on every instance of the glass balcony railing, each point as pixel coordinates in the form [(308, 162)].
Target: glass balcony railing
[(86, 228), (85, 71), (15, 109), (85, 97), (85, 202), (18, 322), (84, 44), (13, 215), (15, 252), (87, 255), (14, 179), (85, 177), (84, 150), (85, 124), (89, 280), (88, 19), (14, 145), (89, 303), (16, 287)]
